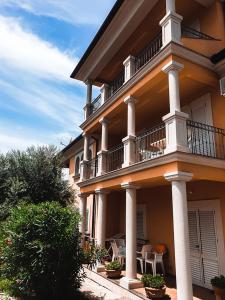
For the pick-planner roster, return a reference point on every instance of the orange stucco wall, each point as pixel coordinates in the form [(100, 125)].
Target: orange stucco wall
[(211, 23)]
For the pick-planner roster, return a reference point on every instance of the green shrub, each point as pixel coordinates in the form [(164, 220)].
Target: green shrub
[(156, 282), (40, 251), (114, 265), (218, 281)]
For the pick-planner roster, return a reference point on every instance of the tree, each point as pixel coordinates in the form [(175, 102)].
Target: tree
[(40, 252), (32, 176)]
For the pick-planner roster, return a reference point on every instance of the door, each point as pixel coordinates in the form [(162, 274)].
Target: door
[(201, 136), (203, 245)]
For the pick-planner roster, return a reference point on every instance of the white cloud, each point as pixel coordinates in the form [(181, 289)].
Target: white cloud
[(10, 141), (28, 52), (91, 12)]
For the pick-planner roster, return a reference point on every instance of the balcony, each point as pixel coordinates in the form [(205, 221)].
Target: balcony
[(142, 58), (202, 139)]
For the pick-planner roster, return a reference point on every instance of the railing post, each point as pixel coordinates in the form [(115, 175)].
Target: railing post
[(129, 140), (129, 67), (175, 121), (102, 155), (104, 93), (171, 25)]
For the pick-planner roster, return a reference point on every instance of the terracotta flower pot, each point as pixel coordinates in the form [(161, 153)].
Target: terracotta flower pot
[(219, 293), (155, 293), (113, 273)]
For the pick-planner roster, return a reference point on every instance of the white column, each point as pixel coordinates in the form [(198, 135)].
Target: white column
[(82, 209), (175, 121), (172, 69), (104, 93), (130, 280), (181, 234), (83, 163), (170, 6), (101, 217), (102, 155), (129, 67), (87, 108), (129, 140), (171, 25)]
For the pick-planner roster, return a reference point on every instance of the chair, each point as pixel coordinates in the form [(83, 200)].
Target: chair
[(146, 249), (120, 242), (118, 252), (158, 259)]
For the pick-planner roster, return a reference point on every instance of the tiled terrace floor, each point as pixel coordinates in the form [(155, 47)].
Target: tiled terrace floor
[(199, 292)]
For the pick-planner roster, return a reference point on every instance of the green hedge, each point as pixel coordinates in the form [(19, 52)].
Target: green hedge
[(40, 252)]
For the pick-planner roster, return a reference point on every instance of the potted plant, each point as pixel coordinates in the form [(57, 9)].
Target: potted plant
[(113, 269), (218, 283), (154, 286)]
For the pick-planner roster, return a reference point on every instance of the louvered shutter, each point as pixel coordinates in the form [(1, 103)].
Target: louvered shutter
[(195, 258), (209, 246)]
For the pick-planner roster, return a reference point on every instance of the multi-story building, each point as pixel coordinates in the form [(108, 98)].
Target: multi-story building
[(157, 168)]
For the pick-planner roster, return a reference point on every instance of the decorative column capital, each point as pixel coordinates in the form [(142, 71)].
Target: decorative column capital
[(85, 135), (83, 195), (130, 99), (102, 191), (88, 81), (103, 120), (172, 66), (129, 185), (178, 176)]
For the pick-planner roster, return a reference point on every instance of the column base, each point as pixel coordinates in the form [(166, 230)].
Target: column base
[(130, 284), (176, 148)]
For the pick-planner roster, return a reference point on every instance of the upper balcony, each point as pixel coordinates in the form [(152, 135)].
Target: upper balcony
[(139, 61), (132, 29)]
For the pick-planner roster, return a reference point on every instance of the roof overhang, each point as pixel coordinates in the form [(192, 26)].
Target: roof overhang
[(127, 17)]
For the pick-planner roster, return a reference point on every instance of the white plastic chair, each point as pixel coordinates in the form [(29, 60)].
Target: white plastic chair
[(145, 251), (118, 253), (158, 259)]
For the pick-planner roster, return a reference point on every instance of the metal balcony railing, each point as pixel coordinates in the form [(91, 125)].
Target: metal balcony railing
[(95, 104), (148, 52), (194, 34), (206, 140), (151, 143), (116, 84), (92, 168), (115, 158)]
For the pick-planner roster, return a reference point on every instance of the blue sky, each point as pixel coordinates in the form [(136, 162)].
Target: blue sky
[(41, 41)]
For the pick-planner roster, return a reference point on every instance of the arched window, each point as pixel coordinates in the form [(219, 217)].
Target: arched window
[(77, 166)]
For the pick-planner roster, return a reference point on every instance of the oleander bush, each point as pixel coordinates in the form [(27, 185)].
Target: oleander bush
[(40, 252)]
